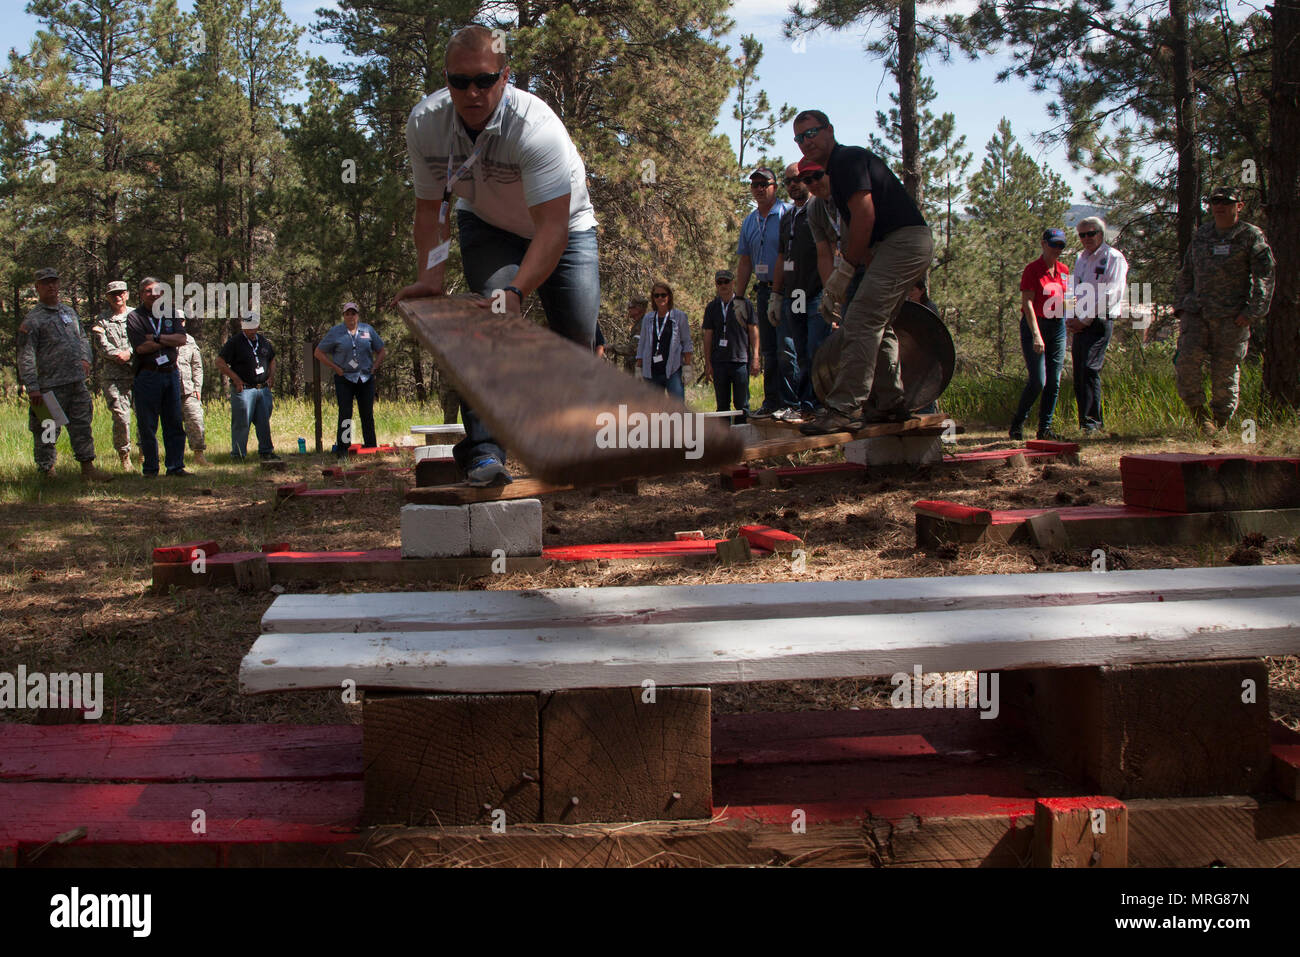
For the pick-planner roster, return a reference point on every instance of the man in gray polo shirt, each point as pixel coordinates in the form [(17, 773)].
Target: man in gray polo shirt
[(524, 217)]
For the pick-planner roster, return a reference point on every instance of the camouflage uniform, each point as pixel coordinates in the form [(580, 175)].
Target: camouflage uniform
[(110, 337), (190, 363), (51, 348), (1225, 275)]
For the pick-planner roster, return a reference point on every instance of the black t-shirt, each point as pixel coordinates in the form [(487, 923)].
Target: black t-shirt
[(141, 326), (799, 250), (663, 342), (238, 353), (852, 170), (739, 317)]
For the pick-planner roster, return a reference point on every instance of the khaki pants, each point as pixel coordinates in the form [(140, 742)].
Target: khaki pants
[(899, 260), (192, 414), (1223, 343), (117, 396)]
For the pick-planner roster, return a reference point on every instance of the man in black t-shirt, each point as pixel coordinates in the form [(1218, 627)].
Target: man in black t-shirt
[(731, 350), (799, 289), (885, 237), (155, 332)]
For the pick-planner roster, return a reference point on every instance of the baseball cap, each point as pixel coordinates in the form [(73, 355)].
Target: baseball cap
[(763, 173), (351, 305), (117, 286), (46, 273), (810, 166), (724, 275), (1055, 237), (1225, 192), (251, 321)]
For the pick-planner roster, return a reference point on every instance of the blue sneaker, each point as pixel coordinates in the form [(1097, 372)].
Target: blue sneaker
[(487, 470)]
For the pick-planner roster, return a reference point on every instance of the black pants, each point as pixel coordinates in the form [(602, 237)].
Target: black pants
[(731, 386), (364, 393), (1089, 353)]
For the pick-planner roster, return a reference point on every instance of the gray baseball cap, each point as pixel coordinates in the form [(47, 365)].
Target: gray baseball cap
[(46, 273), (117, 285)]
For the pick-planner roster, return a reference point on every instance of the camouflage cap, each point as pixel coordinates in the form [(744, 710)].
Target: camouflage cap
[(46, 273), (1228, 193), (117, 285)]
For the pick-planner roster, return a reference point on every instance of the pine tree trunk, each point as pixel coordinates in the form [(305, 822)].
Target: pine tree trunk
[(911, 130), (1282, 338), (1189, 201), (417, 370)]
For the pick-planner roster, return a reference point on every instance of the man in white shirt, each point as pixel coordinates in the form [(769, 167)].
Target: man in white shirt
[(524, 217), (1098, 284)]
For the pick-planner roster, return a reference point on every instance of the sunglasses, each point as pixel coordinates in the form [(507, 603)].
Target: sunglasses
[(808, 133), (1089, 234), (722, 282), (1222, 202), (809, 178), (660, 295), (484, 81), (760, 183)]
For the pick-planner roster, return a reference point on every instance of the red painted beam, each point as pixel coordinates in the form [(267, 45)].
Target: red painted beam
[(186, 552)]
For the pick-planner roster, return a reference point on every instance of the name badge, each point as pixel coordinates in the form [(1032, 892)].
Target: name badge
[(722, 342), (1223, 249), (353, 363), (161, 359), (789, 265), (762, 270), (438, 254), (258, 370), (658, 359)]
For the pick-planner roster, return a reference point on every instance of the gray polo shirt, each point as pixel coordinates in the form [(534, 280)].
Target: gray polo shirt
[(528, 159)]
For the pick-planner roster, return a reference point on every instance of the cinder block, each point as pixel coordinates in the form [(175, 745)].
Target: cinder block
[(748, 433), (895, 450), (436, 531), (423, 452), (512, 524)]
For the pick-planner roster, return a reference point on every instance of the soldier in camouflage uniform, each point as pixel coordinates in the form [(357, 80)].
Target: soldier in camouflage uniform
[(109, 337), (190, 362), (54, 359), (1226, 282)]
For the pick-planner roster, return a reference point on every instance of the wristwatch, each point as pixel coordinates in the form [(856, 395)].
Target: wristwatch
[(515, 290)]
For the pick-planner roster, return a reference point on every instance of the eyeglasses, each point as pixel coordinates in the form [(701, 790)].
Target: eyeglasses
[(484, 81), (1089, 234), (809, 178), (808, 133), (659, 295)]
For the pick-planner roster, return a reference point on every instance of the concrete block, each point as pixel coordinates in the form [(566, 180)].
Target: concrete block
[(436, 531), (423, 452), (512, 524), (895, 450)]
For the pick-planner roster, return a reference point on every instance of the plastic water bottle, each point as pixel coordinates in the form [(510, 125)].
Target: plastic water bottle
[(302, 445)]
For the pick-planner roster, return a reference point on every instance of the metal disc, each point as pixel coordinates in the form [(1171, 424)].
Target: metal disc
[(925, 352)]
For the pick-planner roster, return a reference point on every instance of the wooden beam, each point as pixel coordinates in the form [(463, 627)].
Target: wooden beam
[(771, 448), (523, 487), (1082, 833), (545, 398), (706, 653)]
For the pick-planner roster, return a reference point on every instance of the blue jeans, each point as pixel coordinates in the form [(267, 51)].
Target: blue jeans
[(250, 405), (158, 395), (780, 373), (672, 383), (1044, 371), (570, 297), (345, 391), (805, 333), (731, 387)]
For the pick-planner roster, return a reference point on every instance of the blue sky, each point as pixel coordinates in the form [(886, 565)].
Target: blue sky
[(834, 74)]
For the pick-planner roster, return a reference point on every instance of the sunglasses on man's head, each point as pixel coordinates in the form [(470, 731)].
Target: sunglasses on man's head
[(808, 133), (484, 81), (1089, 234), (809, 178)]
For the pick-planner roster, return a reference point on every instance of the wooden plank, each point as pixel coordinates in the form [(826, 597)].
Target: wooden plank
[(1156, 729), (1047, 530), (772, 448), (771, 538), (252, 574), (291, 568), (545, 398), (451, 759), (1184, 482), (523, 487), (626, 754), (734, 551), (1286, 770), (678, 548), (233, 752), (1082, 832), (186, 552), (1227, 831), (702, 653), (236, 812), (617, 607), (952, 512)]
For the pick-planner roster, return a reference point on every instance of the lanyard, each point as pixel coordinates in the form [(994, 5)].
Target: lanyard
[(454, 178), (762, 231), (156, 323), (252, 344), (659, 327)]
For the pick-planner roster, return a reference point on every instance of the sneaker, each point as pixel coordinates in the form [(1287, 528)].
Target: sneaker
[(899, 413), (830, 421), (180, 473), (487, 470), (788, 415), (763, 412)]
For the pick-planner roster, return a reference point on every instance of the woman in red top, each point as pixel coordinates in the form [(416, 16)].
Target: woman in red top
[(1042, 333)]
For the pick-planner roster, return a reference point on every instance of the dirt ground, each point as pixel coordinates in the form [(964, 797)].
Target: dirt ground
[(75, 573)]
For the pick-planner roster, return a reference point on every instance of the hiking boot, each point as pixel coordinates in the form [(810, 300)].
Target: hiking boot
[(180, 473), (200, 458), (1050, 436), (270, 457), (487, 470), (898, 414), (125, 459), (831, 421), (1016, 432), (91, 474)]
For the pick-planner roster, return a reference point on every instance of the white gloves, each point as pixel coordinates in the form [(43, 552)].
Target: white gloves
[(774, 309), (835, 288)]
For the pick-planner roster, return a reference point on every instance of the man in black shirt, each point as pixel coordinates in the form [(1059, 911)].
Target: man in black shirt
[(248, 361), (886, 238), (155, 333), (799, 289), (730, 345)]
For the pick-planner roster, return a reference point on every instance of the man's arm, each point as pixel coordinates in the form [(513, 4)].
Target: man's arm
[(862, 221), (27, 362), (229, 373), (550, 237), (196, 370), (688, 346), (1262, 269), (753, 348), (744, 269), (825, 260)]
